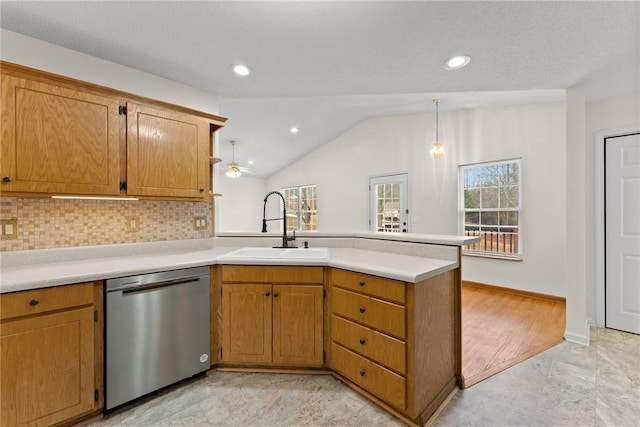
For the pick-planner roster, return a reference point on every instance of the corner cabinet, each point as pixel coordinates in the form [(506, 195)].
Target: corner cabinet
[(57, 139), (396, 342), (48, 360), (272, 316), (65, 136)]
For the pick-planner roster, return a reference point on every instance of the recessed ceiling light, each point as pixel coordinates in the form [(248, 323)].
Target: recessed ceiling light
[(241, 70), (456, 62), (294, 130), (250, 162)]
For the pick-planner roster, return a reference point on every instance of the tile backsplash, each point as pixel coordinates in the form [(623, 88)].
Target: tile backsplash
[(54, 223)]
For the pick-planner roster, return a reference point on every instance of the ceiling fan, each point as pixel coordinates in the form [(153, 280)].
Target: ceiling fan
[(234, 170)]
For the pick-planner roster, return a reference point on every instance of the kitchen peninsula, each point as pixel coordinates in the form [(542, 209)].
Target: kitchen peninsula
[(384, 309)]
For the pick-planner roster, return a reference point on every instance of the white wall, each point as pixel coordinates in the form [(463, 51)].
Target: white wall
[(341, 169), (577, 329), (240, 207), (606, 116), (535, 133), (30, 52)]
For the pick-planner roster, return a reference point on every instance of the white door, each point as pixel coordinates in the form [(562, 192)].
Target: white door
[(388, 204), (622, 233)]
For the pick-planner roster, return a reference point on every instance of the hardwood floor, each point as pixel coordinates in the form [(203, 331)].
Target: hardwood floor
[(500, 329)]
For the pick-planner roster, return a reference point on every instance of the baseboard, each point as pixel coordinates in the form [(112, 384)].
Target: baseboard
[(582, 339), (519, 292)]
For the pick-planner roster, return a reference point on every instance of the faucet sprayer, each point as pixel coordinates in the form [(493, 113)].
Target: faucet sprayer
[(285, 238)]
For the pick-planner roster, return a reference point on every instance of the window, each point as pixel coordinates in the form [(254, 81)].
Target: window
[(302, 208), (490, 200)]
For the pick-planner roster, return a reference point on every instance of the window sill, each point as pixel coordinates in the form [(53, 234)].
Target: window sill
[(493, 256)]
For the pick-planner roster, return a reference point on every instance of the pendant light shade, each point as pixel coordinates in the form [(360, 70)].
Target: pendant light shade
[(436, 150), (233, 169)]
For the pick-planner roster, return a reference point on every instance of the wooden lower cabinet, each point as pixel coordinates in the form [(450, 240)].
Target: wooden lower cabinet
[(246, 316), (272, 324), (47, 355), (397, 342), (369, 375), (297, 325)]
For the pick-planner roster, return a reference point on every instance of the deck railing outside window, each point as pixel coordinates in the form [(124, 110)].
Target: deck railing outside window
[(496, 242)]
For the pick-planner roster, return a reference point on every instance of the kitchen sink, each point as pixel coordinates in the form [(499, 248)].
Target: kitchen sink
[(279, 253)]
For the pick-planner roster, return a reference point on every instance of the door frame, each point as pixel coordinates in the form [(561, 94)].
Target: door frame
[(600, 243), (371, 202)]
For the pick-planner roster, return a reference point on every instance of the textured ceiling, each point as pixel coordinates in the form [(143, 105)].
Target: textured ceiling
[(325, 66)]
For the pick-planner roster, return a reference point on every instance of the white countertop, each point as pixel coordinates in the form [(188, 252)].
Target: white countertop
[(436, 239), (53, 267)]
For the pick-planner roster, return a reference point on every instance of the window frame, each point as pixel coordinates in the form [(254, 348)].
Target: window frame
[(462, 210), (299, 211)]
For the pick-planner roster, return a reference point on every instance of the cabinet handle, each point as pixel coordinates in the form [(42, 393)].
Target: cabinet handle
[(362, 309), (7, 179), (362, 372), (275, 295), (362, 341), (362, 283), (202, 189), (34, 302), (266, 294)]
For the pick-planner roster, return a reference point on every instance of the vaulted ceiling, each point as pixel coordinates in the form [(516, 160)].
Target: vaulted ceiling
[(324, 66)]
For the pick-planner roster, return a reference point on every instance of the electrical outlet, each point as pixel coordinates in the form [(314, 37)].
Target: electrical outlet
[(132, 224), (9, 229), (199, 223)]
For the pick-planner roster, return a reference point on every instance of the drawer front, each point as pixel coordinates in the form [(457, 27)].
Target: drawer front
[(382, 315), (385, 384), (379, 347), (272, 274), (392, 290), (37, 301)]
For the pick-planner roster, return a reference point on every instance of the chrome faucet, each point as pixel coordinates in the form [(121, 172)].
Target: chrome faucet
[(285, 238)]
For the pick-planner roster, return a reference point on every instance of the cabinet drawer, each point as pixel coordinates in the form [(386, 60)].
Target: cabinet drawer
[(382, 315), (385, 384), (379, 347), (272, 274), (380, 287), (42, 300)]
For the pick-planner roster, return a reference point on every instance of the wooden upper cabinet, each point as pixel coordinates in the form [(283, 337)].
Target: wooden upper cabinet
[(65, 136), (58, 140), (167, 153)]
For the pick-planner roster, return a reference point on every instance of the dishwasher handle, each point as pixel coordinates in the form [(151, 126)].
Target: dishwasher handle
[(155, 285)]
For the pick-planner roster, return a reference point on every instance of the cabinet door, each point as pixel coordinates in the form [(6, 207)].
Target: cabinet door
[(58, 140), (246, 324), (167, 153), (47, 366), (297, 325)]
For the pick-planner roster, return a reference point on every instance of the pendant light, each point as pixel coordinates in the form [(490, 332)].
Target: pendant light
[(233, 169), (436, 151)]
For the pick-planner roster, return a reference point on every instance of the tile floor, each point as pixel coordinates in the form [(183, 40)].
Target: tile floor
[(567, 385)]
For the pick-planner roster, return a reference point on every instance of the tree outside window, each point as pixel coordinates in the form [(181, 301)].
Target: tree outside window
[(302, 208), (491, 195)]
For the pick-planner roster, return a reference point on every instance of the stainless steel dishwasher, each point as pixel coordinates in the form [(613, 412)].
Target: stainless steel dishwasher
[(157, 331)]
